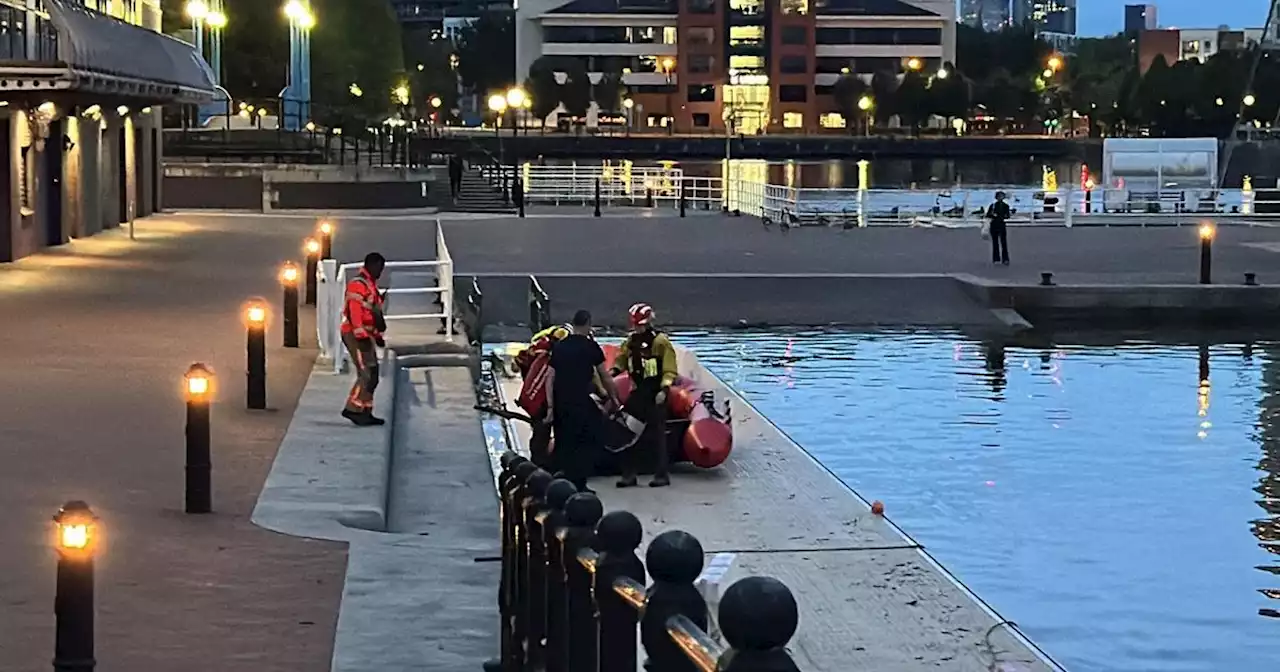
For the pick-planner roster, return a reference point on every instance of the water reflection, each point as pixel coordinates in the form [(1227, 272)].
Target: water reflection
[(1062, 483)]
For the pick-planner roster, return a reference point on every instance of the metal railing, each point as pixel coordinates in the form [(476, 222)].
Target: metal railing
[(572, 596), (332, 296)]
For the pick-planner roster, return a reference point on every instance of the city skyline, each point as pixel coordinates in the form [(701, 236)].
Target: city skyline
[(1106, 17)]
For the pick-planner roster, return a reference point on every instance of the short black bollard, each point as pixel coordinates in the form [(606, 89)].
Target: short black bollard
[(326, 239), (1251, 279), (618, 535), (1207, 233), (531, 566), (758, 616), (312, 250), (199, 394), (582, 513), (597, 210), (73, 609), (682, 201), (553, 521), (648, 197), (289, 281), (1046, 279), (513, 493), (519, 195), (256, 355), (674, 560)]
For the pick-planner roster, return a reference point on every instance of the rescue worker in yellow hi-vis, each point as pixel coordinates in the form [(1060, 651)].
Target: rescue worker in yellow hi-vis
[(649, 359)]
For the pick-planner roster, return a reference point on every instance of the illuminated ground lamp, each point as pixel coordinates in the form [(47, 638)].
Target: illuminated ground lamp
[(76, 542), (199, 393), (312, 248), (326, 240), (255, 317), (289, 280), (1207, 232)]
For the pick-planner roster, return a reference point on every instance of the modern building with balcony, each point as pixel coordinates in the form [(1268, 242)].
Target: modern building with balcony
[(434, 14), (744, 66), (80, 86)]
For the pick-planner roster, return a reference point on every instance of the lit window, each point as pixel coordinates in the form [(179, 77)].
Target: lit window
[(795, 6), (668, 34), (831, 120), (738, 62), (748, 7), (746, 35), (792, 120)]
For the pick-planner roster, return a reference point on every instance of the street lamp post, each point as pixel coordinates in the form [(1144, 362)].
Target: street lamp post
[(867, 105), (515, 99), (498, 104), (668, 64), (75, 539), (629, 105), (296, 105)]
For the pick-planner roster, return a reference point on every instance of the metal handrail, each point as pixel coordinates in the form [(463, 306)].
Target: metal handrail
[(632, 592), (698, 647)]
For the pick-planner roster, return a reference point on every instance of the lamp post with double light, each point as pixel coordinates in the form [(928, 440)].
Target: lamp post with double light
[(668, 67), (296, 105)]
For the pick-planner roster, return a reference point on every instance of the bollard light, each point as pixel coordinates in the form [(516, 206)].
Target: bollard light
[(256, 354), (326, 240), (289, 280), (199, 482), (312, 249), (76, 540), (1207, 234)]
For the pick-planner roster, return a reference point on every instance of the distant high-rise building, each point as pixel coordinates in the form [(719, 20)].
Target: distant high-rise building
[(1139, 17), (1054, 16), (989, 15)]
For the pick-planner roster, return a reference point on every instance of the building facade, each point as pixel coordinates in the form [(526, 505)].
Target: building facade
[(433, 13), (1138, 18), (746, 66), (989, 15), (79, 120), (1054, 16), (1198, 44)]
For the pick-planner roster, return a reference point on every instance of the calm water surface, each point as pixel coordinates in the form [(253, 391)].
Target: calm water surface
[(1124, 514)]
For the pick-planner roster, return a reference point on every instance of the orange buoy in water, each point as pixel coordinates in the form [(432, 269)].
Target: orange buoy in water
[(877, 507)]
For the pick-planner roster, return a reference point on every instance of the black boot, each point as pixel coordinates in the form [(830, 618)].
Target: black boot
[(357, 418), (371, 420)]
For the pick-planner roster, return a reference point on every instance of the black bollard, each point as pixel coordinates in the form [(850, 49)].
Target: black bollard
[(1207, 233), (512, 491), (529, 555), (535, 513), (618, 535), (597, 210), (326, 240), (582, 513), (758, 616), (1251, 279), (199, 394), (674, 560), (682, 202), (312, 250), (1046, 279), (519, 195), (289, 280), (648, 197), (553, 521), (73, 601), (256, 355)]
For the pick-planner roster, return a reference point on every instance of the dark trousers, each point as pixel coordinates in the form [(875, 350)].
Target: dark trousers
[(1000, 244), (364, 357), (579, 432), (641, 405)]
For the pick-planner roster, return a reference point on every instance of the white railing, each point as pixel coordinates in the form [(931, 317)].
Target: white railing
[(332, 297)]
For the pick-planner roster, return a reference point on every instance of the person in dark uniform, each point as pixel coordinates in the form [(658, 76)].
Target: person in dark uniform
[(576, 361), (649, 359), (999, 214)]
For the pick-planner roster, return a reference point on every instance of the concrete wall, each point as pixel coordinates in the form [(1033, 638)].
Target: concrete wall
[(222, 193)]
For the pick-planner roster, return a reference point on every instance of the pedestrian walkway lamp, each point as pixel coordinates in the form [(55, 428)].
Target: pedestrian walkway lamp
[(515, 99), (198, 12), (297, 94), (1207, 233), (76, 542), (326, 240), (199, 396), (289, 280), (867, 104), (668, 66), (312, 249), (255, 315)]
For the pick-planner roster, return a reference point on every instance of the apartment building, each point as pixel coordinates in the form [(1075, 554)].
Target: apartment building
[(749, 66), (989, 15), (79, 115), (1054, 16), (1199, 44)]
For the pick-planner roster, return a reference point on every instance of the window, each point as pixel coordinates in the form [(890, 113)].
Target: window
[(792, 120), (746, 35), (46, 41), (793, 64), (795, 7), (700, 36), (793, 93), (701, 120), (747, 7), (702, 93), (824, 90), (701, 63), (657, 120), (833, 65), (738, 62), (668, 34), (831, 120), (13, 33), (702, 6), (794, 35)]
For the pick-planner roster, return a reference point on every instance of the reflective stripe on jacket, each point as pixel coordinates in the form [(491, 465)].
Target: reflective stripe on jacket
[(362, 302)]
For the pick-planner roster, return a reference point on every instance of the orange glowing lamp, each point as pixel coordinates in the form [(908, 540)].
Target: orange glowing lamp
[(76, 530), (289, 274), (311, 247), (199, 382)]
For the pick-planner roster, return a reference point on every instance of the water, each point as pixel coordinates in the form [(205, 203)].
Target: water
[(1126, 516)]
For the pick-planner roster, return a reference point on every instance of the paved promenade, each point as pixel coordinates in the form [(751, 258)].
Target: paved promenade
[(98, 334), (723, 244)]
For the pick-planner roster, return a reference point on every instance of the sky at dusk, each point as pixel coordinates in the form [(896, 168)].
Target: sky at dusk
[(1104, 17)]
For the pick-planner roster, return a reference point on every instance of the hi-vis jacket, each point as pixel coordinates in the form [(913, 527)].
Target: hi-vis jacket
[(361, 307)]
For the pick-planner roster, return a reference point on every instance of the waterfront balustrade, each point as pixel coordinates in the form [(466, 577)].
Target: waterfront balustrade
[(572, 596)]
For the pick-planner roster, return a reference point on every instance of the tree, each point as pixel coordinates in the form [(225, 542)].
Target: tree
[(848, 90), (884, 86), (487, 53), (575, 92), (542, 87), (950, 96), (427, 57), (911, 100), (255, 49), (607, 93)]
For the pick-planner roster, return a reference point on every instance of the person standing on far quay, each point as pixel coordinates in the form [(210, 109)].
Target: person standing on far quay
[(576, 361), (999, 214)]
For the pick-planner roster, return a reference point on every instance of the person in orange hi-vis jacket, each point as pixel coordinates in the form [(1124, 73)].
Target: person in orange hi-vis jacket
[(362, 327)]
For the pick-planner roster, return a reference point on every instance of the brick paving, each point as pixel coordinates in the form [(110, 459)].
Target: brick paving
[(95, 339)]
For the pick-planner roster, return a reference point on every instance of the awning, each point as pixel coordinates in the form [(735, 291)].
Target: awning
[(104, 55)]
